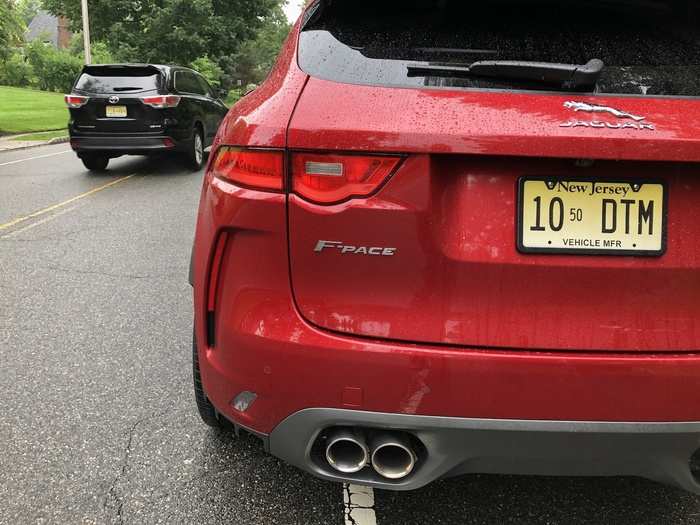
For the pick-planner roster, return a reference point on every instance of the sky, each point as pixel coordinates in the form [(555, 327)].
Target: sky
[(292, 10)]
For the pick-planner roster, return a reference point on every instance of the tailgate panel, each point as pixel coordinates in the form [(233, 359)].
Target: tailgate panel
[(140, 118), (457, 277)]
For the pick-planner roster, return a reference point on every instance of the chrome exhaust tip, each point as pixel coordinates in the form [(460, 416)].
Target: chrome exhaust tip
[(346, 451), (392, 456)]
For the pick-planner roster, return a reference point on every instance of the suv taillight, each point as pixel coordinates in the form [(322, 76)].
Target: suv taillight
[(333, 178), (76, 101), (317, 177), (162, 101), (250, 168)]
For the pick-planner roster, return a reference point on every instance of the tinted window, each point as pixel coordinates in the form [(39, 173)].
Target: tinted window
[(118, 80), (206, 88), (186, 82), (649, 47)]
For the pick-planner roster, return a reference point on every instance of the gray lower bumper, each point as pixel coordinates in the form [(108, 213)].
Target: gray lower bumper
[(120, 144), (454, 446)]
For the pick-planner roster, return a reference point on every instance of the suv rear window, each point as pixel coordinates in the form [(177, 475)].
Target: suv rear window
[(649, 47), (186, 82), (119, 80)]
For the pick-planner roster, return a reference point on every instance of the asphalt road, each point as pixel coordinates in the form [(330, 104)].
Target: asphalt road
[(97, 418)]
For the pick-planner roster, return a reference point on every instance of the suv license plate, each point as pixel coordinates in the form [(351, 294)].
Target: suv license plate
[(116, 111), (596, 217)]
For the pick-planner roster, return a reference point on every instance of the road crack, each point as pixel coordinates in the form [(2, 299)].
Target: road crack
[(114, 500)]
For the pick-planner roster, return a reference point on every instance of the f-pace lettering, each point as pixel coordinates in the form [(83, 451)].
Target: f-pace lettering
[(350, 249)]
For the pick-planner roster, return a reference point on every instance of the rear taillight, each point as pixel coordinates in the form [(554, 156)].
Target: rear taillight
[(317, 177), (332, 178), (162, 101), (76, 101), (257, 169)]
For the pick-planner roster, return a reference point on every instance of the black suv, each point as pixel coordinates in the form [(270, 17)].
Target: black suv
[(141, 109)]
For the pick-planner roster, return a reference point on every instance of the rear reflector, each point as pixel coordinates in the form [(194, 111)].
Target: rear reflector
[(332, 178), (162, 102), (76, 101), (213, 287), (256, 169)]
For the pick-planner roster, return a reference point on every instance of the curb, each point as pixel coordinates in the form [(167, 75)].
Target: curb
[(58, 140)]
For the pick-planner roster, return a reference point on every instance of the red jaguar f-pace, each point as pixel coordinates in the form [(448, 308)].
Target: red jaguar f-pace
[(448, 238)]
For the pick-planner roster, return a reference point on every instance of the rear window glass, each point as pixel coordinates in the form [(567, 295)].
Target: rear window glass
[(186, 82), (649, 47), (119, 80)]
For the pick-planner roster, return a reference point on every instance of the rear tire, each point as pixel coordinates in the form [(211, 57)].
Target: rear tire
[(95, 162), (206, 410), (195, 153)]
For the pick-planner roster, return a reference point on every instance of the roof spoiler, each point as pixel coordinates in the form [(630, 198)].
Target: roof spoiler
[(101, 68)]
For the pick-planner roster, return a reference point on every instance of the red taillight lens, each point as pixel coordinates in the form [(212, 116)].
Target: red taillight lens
[(257, 169), (329, 178), (162, 102), (76, 101)]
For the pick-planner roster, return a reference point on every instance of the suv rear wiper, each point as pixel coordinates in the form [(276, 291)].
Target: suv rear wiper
[(565, 75), (126, 88)]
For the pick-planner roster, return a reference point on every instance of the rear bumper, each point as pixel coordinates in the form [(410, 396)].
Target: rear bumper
[(473, 412), (123, 145), (454, 446)]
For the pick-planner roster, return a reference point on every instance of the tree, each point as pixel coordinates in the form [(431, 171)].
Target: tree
[(256, 57), (28, 9), (209, 70), (169, 31), (12, 28)]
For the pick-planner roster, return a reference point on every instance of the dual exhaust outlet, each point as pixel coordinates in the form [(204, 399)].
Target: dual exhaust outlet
[(390, 455)]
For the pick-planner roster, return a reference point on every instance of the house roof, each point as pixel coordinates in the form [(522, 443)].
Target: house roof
[(44, 26)]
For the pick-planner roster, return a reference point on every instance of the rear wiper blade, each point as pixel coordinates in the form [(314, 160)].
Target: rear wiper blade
[(127, 88), (564, 75)]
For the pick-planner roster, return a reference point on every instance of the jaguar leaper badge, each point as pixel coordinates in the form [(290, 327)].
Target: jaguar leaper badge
[(639, 122)]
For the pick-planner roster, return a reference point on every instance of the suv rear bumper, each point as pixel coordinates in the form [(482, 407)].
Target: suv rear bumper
[(516, 411), (472, 411), (454, 446), (123, 145)]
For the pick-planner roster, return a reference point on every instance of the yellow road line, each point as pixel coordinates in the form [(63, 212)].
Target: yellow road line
[(39, 213), (33, 225)]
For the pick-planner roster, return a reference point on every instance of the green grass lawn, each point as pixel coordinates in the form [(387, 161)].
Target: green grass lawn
[(25, 110)]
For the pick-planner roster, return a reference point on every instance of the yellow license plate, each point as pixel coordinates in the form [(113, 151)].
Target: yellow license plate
[(116, 111), (591, 217)]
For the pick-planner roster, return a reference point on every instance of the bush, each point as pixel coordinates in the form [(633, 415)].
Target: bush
[(209, 70), (234, 96), (16, 71), (100, 52), (55, 69)]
